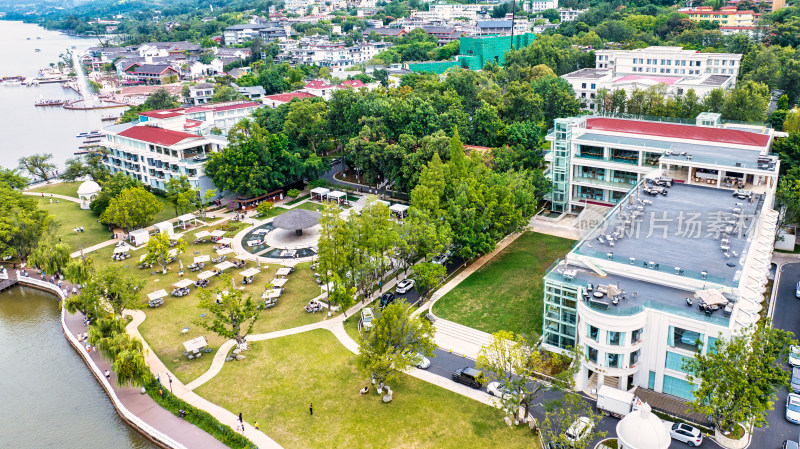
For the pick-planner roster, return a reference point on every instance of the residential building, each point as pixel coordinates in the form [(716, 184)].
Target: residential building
[(540, 5), (154, 155), (754, 32), (569, 15), (252, 93), (502, 27), (274, 101), (319, 88), (655, 278), (451, 11), (155, 73), (385, 32), (222, 116), (476, 51), (443, 35), (200, 93), (668, 61), (725, 16), (239, 34)]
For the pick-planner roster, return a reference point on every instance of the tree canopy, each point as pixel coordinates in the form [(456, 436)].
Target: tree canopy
[(133, 208)]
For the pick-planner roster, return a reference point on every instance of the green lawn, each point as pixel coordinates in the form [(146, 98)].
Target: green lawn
[(311, 205), (68, 216), (64, 188), (280, 377), (162, 328), (167, 211), (506, 293), (299, 198), (274, 212)]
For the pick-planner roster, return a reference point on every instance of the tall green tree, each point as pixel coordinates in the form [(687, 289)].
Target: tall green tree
[(307, 122), (133, 208), (514, 361), (50, 255), (158, 250), (233, 315), (747, 102), (427, 276), (13, 178), (110, 291), (39, 165), (181, 194), (560, 414), (256, 162), (390, 347), (739, 376), (22, 223)]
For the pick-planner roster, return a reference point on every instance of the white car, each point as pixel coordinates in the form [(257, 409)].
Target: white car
[(797, 291), (366, 318), (794, 356), (684, 433), (421, 362), (404, 286), (579, 430), (498, 390), (793, 408)]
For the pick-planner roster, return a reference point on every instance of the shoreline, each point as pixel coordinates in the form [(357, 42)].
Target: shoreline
[(154, 435)]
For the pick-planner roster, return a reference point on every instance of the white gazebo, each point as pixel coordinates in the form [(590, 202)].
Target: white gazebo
[(164, 227), (139, 237), (400, 210), (340, 197), (320, 193), (185, 219), (641, 429), (87, 192)]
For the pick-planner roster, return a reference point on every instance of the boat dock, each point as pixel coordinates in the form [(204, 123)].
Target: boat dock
[(5, 284)]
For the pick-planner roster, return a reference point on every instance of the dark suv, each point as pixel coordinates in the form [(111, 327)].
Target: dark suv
[(386, 299), (468, 376)]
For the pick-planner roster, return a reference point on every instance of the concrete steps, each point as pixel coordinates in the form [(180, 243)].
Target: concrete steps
[(461, 332)]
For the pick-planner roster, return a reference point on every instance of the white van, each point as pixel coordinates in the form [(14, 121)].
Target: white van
[(366, 318)]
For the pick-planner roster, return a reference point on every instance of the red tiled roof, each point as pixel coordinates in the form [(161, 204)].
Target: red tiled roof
[(163, 113), (675, 131), (285, 98), (317, 84), (356, 84), (192, 123), (158, 136)]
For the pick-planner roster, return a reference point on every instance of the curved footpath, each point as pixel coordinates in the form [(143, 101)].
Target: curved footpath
[(138, 410)]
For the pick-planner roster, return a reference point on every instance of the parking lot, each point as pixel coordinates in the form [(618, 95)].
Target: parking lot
[(786, 315)]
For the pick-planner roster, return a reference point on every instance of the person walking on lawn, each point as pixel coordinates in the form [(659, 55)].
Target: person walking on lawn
[(311, 408)]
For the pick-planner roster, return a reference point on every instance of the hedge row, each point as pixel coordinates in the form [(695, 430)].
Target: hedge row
[(199, 418)]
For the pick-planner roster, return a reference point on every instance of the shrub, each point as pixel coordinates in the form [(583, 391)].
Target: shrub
[(317, 183), (199, 418), (293, 193)]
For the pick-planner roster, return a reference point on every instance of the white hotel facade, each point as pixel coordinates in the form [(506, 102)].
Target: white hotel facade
[(630, 292)]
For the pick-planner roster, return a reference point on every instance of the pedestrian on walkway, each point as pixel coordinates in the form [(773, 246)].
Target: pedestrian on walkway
[(311, 408), (255, 424), (108, 374), (240, 418), (158, 377)]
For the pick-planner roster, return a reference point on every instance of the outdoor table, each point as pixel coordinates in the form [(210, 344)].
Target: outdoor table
[(183, 283), (205, 275), (224, 265), (250, 272), (279, 282), (196, 344), (157, 294), (224, 251)]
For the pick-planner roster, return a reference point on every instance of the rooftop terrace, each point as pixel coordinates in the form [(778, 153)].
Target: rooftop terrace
[(690, 231)]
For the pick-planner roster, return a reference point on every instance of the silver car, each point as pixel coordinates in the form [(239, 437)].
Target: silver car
[(404, 286), (793, 408), (684, 433)]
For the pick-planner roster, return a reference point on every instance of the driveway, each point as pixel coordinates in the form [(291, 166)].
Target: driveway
[(444, 363), (786, 315)]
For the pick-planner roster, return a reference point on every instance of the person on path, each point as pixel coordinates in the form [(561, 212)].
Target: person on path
[(255, 424), (240, 418), (311, 408), (108, 374)]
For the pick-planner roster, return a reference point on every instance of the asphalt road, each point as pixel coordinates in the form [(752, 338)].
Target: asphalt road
[(786, 316)]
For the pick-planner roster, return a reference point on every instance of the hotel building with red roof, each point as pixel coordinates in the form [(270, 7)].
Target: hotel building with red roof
[(598, 160)]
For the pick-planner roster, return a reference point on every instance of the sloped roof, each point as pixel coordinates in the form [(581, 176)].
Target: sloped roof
[(317, 84), (158, 136), (285, 98)]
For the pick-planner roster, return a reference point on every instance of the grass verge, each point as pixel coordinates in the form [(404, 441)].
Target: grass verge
[(280, 377), (506, 293), (64, 188)]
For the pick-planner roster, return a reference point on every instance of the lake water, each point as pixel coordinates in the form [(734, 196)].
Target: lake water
[(27, 129), (49, 398)]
